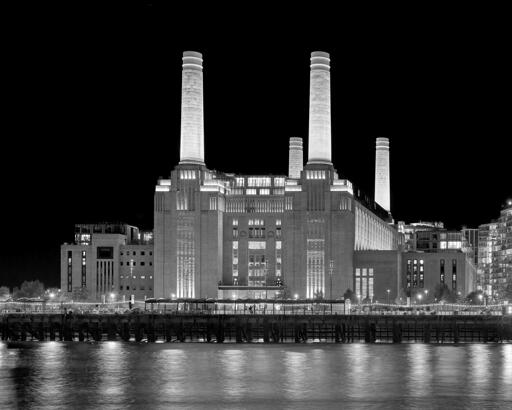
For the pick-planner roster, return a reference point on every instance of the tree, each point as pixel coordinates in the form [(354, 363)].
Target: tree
[(443, 293), (350, 295), (475, 297), (29, 289), (4, 293)]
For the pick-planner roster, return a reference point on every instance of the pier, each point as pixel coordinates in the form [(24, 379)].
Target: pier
[(251, 328)]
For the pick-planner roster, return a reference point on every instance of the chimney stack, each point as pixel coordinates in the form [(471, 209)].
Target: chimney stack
[(382, 194), (192, 128), (319, 142), (296, 158)]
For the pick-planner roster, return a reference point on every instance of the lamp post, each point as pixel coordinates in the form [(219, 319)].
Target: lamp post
[(419, 297), (388, 290), (480, 296)]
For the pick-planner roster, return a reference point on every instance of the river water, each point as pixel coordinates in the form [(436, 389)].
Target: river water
[(119, 375)]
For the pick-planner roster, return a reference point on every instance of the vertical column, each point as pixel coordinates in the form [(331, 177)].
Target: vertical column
[(319, 143), (382, 194), (296, 158), (192, 124)]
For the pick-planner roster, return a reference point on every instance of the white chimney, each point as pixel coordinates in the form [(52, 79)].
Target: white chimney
[(192, 125), (319, 142)]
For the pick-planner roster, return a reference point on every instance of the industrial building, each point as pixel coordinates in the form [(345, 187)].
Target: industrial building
[(308, 234)]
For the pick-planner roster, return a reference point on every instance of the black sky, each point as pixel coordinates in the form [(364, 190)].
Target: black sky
[(93, 112)]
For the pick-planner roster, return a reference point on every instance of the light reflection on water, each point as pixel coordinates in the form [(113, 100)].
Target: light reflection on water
[(112, 375)]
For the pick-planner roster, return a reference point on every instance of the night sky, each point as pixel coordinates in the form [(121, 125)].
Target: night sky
[(94, 114)]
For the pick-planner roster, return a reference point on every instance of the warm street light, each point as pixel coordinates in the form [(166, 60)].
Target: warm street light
[(296, 296), (419, 296), (52, 295), (388, 290)]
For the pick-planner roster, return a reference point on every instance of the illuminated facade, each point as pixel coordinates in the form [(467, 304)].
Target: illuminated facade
[(495, 255), (219, 234), (382, 193), (108, 262)]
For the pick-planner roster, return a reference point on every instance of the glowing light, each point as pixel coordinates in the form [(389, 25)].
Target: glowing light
[(480, 296), (112, 296), (52, 295), (296, 296)]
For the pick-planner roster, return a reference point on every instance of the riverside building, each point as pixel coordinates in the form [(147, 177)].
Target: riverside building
[(227, 234), (108, 262), (306, 234), (495, 254)]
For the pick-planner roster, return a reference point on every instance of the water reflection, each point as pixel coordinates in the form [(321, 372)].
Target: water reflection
[(479, 373), (115, 375), (419, 364)]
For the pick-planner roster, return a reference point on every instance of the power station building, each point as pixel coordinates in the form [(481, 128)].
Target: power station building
[(231, 235), (309, 234)]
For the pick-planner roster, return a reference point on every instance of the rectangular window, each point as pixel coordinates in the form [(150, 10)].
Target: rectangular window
[(409, 273), (213, 203), (422, 274), (441, 270), (84, 269), (415, 274), (279, 259), (235, 259), (70, 271), (370, 283), (257, 245)]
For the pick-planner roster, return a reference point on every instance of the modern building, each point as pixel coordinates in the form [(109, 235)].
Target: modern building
[(424, 272), (108, 262), (495, 255), (219, 233), (471, 239)]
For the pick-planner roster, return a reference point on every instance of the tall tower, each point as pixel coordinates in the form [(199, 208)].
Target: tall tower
[(319, 142), (382, 195), (296, 158), (192, 124)]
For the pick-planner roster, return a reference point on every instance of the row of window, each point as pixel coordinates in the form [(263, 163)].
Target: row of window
[(135, 277), (134, 263), (142, 287), (260, 181), (134, 253), (256, 222), (415, 274)]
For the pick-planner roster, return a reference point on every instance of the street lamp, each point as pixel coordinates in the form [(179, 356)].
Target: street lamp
[(480, 296), (419, 297), (52, 295), (388, 290), (296, 296)]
